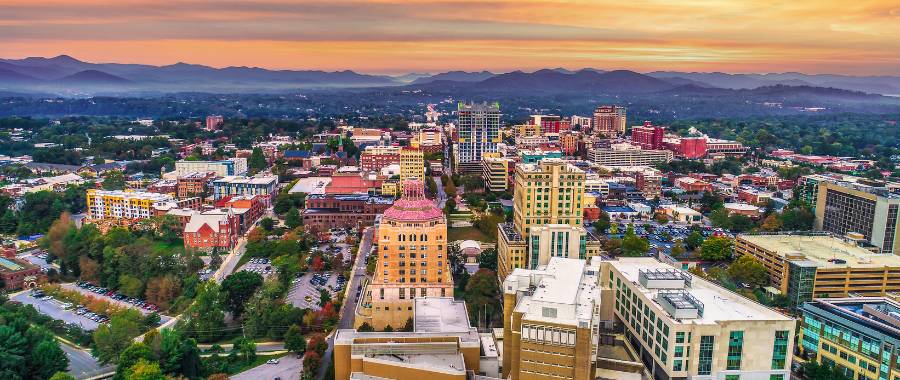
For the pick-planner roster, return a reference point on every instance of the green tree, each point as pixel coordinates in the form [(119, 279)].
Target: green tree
[(61, 376), (267, 223), (482, 294), (13, 351), (113, 338), (693, 240), (114, 180), (144, 370), (257, 161), (244, 349), (678, 249), (132, 355), (294, 340), (797, 219), (602, 224), (719, 218), (716, 248), (747, 269), (238, 289), (292, 219), (740, 223), (46, 359), (812, 370), (633, 245), (488, 259), (365, 327), (205, 318)]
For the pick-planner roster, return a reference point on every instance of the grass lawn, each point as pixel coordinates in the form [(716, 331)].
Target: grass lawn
[(260, 359), (468, 233), (163, 247)]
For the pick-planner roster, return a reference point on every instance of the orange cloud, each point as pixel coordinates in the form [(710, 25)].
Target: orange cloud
[(862, 37)]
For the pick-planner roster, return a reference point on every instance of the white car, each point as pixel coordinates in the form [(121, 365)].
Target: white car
[(272, 361)]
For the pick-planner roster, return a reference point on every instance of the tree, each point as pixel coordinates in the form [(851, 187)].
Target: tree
[(482, 294), (797, 219), (131, 356), (267, 223), (740, 223), (311, 363), (716, 249), (114, 180), (317, 343), (113, 338), (144, 370), (602, 224), (46, 359), (205, 318), (13, 351), (294, 340), (61, 376), (693, 240), (719, 218), (161, 290), (292, 219), (771, 223), (488, 259), (633, 245), (238, 289), (257, 161), (814, 371), (245, 349), (678, 249), (365, 327), (747, 269)]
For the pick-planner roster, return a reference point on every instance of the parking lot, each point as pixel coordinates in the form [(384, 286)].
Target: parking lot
[(114, 298), (305, 292), (662, 237), (259, 265), (54, 309), (38, 258)]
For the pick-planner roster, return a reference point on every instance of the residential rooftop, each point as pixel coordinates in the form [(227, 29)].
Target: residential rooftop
[(826, 251), (718, 304)]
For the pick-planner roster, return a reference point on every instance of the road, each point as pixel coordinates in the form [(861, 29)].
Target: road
[(441, 195), (231, 260), (288, 368), (348, 311), (82, 365)]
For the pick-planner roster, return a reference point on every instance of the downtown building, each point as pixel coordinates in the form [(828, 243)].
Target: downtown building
[(547, 218), (246, 186), (124, 205), (609, 121), (859, 208), (412, 260), (477, 134), (625, 154), (229, 167), (326, 211)]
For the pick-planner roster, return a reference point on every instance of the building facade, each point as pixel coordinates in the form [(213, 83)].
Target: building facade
[(195, 184), (412, 260), (123, 205), (477, 133), (217, 228), (324, 212), (843, 208), (246, 186), (648, 136), (412, 166), (609, 121), (627, 155), (496, 173), (229, 167), (375, 158)]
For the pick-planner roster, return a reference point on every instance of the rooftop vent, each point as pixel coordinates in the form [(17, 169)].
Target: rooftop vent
[(664, 278), (680, 304)]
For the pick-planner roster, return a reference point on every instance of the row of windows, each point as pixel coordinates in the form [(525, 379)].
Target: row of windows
[(548, 335)]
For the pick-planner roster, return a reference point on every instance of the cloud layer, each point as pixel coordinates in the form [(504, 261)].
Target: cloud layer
[(393, 36)]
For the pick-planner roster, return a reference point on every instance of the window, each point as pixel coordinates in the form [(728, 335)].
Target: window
[(548, 312), (735, 350), (779, 351), (679, 337), (676, 365), (776, 377), (732, 377), (704, 364)]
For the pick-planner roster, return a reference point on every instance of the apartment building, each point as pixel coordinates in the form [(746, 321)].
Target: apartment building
[(249, 186), (212, 229), (117, 204), (857, 207), (429, 140), (194, 184), (412, 166), (496, 173), (687, 327), (526, 130), (477, 133), (860, 336), (625, 154), (810, 266), (548, 195), (375, 158), (412, 262), (550, 321), (229, 167), (648, 136), (609, 121)]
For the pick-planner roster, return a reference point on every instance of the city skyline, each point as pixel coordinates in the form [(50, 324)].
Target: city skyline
[(392, 37)]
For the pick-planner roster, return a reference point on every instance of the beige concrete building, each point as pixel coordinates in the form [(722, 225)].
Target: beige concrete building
[(550, 321), (810, 266), (687, 327), (625, 154), (496, 173), (412, 262), (442, 346), (872, 211), (412, 165)]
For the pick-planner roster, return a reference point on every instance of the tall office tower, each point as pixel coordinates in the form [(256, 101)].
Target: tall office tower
[(647, 136), (412, 262), (550, 323), (869, 210), (477, 133), (213, 122), (412, 165), (547, 217), (685, 327), (609, 121)]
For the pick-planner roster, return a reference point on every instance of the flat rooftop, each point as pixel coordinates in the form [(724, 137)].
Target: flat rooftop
[(879, 313), (826, 251), (719, 303), (568, 285), (440, 314)]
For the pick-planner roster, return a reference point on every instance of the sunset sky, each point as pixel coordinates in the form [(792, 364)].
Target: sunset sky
[(392, 36)]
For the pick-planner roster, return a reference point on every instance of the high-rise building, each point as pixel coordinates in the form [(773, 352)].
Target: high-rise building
[(117, 204), (550, 321), (804, 267), (859, 336), (412, 165), (870, 210), (412, 262), (609, 121), (585, 122), (685, 327), (648, 136), (477, 133), (375, 158), (213, 122), (496, 173), (548, 195)]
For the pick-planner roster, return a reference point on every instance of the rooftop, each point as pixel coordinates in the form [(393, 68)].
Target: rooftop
[(879, 313), (824, 250), (267, 180), (134, 195), (440, 314), (567, 286), (716, 304)]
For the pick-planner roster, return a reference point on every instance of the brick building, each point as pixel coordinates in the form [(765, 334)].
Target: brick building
[(212, 229), (194, 184), (341, 211), (648, 136)]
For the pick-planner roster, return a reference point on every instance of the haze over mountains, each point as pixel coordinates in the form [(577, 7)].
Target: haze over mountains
[(64, 75)]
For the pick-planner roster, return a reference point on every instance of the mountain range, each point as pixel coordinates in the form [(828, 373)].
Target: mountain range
[(69, 76)]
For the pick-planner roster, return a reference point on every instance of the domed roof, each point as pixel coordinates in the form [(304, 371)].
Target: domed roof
[(413, 206)]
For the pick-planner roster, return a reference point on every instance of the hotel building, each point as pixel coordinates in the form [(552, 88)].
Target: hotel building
[(842, 208), (609, 121), (477, 133), (412, 262)]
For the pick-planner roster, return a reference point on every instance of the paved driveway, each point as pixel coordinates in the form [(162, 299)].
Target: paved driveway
[(288, 368), (82, 365), (53, 309)]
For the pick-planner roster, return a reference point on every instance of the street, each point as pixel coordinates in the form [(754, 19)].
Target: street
[(441, 195), (82, 365), (288, 368), (348, 309)]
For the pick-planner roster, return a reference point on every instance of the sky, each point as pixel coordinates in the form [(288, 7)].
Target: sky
[(857, 37)]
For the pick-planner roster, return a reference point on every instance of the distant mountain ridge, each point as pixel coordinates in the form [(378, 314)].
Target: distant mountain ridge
[(64, 74)]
